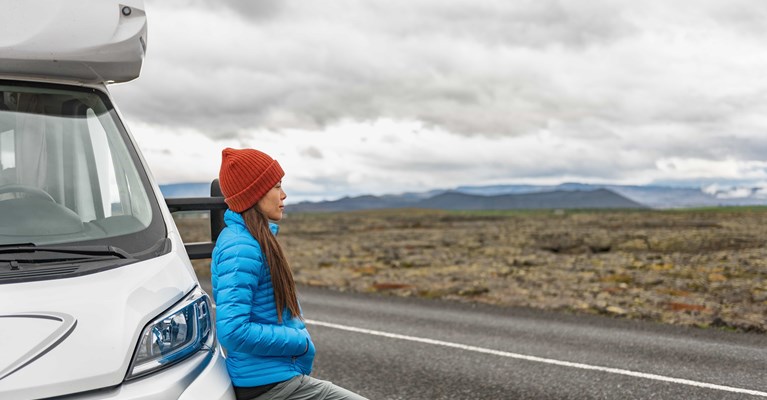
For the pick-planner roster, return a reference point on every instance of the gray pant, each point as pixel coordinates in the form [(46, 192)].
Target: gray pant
[(304, 387)]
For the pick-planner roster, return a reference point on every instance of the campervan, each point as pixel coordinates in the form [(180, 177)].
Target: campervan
[(98, 297)]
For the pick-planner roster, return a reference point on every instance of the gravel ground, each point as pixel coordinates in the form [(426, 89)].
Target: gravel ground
[(705, 268)]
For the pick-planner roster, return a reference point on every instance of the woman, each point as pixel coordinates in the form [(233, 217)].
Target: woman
[(258, 319)]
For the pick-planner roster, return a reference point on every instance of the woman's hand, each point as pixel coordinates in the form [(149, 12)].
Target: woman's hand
[(305, 361)]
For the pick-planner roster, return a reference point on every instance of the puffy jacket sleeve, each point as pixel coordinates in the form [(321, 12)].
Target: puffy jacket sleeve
[(238, 267)]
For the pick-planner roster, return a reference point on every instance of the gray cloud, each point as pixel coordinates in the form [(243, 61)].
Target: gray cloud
[(312, 152), (617, 85), (490, 68), (256, 10), (466, 66)]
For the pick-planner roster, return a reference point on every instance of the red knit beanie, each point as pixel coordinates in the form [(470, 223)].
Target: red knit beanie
[(246, 176)]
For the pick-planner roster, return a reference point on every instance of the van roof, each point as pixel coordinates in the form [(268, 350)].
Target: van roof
[(88, 41)]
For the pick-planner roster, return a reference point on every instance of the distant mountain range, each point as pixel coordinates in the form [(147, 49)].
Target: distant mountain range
[(505, 197), (194, 189)]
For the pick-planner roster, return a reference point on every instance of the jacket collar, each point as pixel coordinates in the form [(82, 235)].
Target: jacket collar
[(232, 218)]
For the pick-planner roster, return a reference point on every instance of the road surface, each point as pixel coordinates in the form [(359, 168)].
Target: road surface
[(405, 348)]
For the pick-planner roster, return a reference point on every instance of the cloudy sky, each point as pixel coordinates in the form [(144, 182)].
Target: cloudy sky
[(389, 96)]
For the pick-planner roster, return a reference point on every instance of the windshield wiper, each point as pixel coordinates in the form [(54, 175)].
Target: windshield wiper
[(28, 251)]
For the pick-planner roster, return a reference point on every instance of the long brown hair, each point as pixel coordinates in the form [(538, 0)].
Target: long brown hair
[(282, 277)]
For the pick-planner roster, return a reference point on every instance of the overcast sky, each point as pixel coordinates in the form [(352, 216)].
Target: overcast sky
[(389, 96)]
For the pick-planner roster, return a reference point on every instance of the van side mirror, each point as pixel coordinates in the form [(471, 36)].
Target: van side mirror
[(216, 205)]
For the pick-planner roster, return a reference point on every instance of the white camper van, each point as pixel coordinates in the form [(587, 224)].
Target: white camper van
[(98, 298)]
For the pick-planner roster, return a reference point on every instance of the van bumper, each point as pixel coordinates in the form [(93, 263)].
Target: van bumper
[(201, 377), (212, 383)]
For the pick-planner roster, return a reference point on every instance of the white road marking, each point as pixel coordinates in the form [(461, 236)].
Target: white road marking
[(541, 359)]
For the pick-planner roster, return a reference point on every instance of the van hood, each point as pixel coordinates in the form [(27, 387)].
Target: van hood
[(77, 334)]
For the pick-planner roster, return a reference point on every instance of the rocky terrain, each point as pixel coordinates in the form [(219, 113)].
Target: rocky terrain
[(705, 268)]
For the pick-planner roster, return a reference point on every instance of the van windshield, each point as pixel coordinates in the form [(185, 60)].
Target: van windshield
[(69, 175)]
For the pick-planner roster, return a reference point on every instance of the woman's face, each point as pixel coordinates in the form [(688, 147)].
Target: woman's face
[(271, 204)]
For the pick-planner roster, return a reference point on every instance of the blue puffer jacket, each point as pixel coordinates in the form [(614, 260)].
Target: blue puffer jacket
[(259, 350)]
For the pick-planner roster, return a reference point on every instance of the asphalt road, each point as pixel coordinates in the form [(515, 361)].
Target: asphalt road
[(405, 348)]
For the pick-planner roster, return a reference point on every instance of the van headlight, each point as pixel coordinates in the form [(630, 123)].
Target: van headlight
[(175, 335)]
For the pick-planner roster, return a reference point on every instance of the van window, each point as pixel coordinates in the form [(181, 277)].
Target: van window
[(69, 173)]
